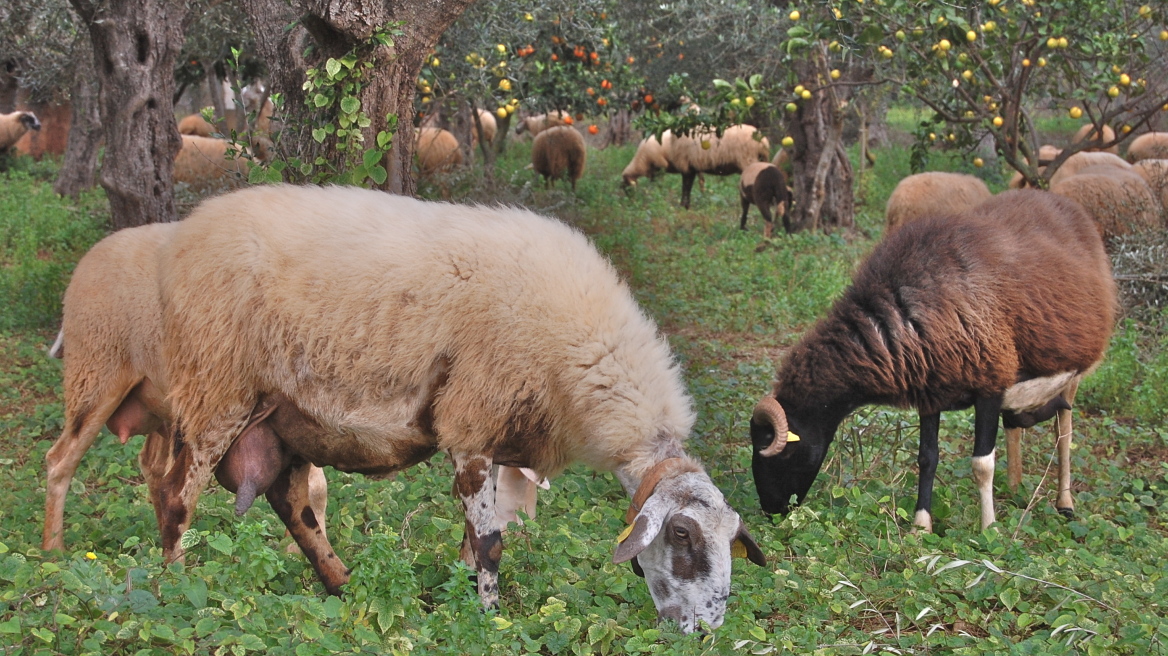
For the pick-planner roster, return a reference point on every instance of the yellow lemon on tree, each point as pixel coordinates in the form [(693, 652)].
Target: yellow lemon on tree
[(806, 95), (945, 45), (967, 74), (835, 74), (1125, 79), (971, 36), (794, 15), (978, 162), (792, 108), (1075, 112), (1113, 92), (1052, 43), (787, 142), (998, 121), (501, 112), (749, 101)]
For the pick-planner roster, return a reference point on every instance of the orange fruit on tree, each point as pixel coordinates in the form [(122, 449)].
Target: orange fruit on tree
[(567, 120), (601, 101), (649, 99), (592, 129)]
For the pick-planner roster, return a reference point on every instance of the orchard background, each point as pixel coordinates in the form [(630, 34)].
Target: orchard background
[(860, 92)]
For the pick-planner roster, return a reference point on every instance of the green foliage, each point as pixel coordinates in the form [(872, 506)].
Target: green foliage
[(984, 68), (845, 573), (41, 237)]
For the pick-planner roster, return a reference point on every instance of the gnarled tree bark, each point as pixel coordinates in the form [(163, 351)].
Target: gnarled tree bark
[(135, 43), (335, 27), (821, 173), (79, 168)]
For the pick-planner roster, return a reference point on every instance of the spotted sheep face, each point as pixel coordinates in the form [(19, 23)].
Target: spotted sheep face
[(682, 542)]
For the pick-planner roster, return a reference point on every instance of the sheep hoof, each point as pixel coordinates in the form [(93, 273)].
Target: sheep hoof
[(1069, 513)]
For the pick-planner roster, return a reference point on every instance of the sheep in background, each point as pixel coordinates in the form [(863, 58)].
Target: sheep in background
[(1153, 145), (1089, 134), (110, 341), (13, 126), (731, 153), (489, 126), (493, 334), (203, 164), (195, 124), (540, 122), (763, 184), (932, 193), (651, 157), (943, 315), (437, 150), (1082, 160), (1046, 153), (1119, 200), (559, 151), (1155, 173)]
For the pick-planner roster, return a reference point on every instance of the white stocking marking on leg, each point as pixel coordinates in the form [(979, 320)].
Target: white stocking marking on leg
[(924, 521), (983, 474)]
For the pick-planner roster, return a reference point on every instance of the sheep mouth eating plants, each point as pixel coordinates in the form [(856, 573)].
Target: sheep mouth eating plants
[(495, 335), (1004, 308)]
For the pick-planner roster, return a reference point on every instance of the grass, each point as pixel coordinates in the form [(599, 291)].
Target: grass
[(846, 575)]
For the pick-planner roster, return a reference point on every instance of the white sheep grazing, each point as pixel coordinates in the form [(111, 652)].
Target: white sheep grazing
[(203, 164), (437, 150), (651, 157), (1082, 160), (1153, 145), (494, 334), (540, 122), (13, 126), (1119, 200), (729, 154), (489, 125), (557, 152), (111, 343), (195, 124), (1088, 133), (932, 193)]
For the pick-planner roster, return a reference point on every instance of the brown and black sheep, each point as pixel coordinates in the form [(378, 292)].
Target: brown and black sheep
[(559, 152), (765, 186), (1004, 308)]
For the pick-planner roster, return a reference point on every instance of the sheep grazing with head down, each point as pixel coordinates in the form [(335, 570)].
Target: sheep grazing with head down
[(559, 152), (1082, 160), (196, 125), (1119, 200), (764, 185), (1095, 139), (1155, 173), (652, 156), (540, 122), (437, 150), (493, 334), (1153, 145), (14, 126), (1004, 308), (931, 194), (204, 163), (729, 154), (488, 124), (111, 338)]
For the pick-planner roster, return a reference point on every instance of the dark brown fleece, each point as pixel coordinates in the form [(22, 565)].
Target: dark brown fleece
[(949, 309)]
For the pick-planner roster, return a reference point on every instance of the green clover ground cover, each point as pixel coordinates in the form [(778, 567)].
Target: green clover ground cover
[(846, 575)]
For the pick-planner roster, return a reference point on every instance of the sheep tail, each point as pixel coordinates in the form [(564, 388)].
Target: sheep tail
[(245, 497)]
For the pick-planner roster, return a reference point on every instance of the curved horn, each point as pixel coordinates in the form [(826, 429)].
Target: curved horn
[(770, 412)]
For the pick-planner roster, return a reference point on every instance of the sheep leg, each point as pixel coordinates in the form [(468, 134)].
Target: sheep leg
[(985, 438), (745, 211), (81, 429), (291, 496), (1014, 457), (318, 500), (193, 464), (927, 463), (768, 227), (482, 544), (155, 461), (687, 180), (1065, 503)]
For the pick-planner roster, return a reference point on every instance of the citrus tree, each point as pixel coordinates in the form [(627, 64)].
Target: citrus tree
[(986, 67)]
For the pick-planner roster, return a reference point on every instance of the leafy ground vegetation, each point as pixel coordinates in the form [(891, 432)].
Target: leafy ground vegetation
[(846, 574)]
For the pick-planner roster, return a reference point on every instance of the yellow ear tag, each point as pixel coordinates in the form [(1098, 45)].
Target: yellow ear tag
[(624, 535), (791, 437), (738, 550)]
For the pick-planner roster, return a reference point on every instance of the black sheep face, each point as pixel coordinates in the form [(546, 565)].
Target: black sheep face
[(30, 121), (792, 471)]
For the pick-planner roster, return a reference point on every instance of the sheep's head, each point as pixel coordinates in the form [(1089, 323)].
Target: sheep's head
[(29, 121), (682, 541), (788, 453)]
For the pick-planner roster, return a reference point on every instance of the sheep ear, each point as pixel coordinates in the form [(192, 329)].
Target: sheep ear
[(642, 531), (744, 546)]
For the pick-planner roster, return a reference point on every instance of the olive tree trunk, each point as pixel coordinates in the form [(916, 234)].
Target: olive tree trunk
[(821, 173), (334, 27), (135, 43), (79, 168)]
